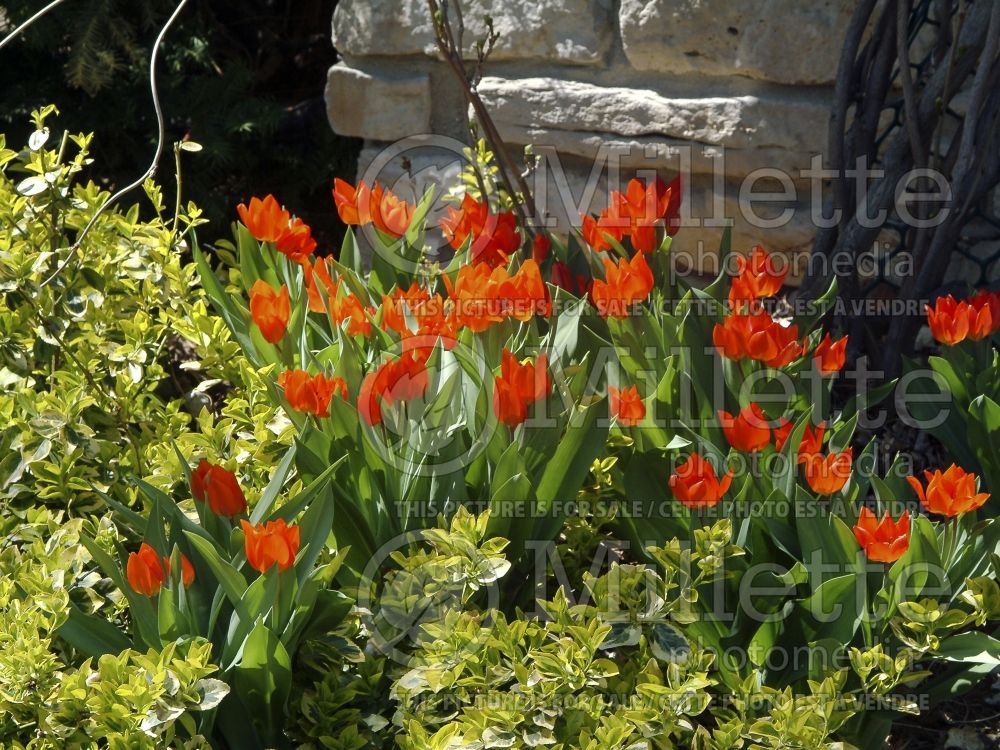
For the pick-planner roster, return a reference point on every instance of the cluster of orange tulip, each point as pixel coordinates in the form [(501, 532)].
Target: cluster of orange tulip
[(495, 236), (635, 214), (266, 545), (976, 318), (311, 394), (361, 205), (482, 294), (269, 222), (750, 332)]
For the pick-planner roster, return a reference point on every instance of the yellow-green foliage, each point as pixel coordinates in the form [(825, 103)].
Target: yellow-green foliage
[(92, 387), (126, 700)]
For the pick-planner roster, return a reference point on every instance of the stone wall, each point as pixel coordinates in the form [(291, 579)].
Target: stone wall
[(716, 89)]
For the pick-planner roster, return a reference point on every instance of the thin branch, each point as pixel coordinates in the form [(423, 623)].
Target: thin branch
[(509, 174)]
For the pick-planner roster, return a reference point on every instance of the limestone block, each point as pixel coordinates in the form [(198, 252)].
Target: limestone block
[(568, 31), (785, 41), (376, 105), (774, 126)]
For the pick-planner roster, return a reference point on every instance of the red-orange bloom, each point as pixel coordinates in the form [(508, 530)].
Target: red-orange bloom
[(626, 405), (827, 474), (883, 541), (562, 276), (402, 379), (269, 310), (145, 572), (624, 285), (311, 393), (270, 544), (219, 488), (187, 569), (695, 484), (757, 277), (758, 336), (984, 315), (812, 440), (415, 311), (949, 493), (540, 247), (518, 386), (748, 431), (830, 355), (948, 320), (495, 236)]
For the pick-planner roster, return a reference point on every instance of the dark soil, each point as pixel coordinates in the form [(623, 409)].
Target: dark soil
[(970, 722)]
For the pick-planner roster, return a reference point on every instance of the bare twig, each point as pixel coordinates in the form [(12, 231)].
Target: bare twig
[(509, 174)]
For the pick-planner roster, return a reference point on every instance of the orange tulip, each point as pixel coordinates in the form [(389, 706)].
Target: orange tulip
[(187, 569), (311, 394), (883, 541), (827, 474), (757, 336), (626, 405), (266, 219), (296, 241), (518, 386), (950, 493), (390, 213), (320, 285), (475, 296), (270, 544), (494, 236), (598, 232), (219, 488), (524, 294), (757, 277), (416, 312), (948, 320), (402, 379), (830, 355), (269, 310), (353, 204), (350, 309), (695, 484), (748, 431), (144, 571), (624, 285)]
